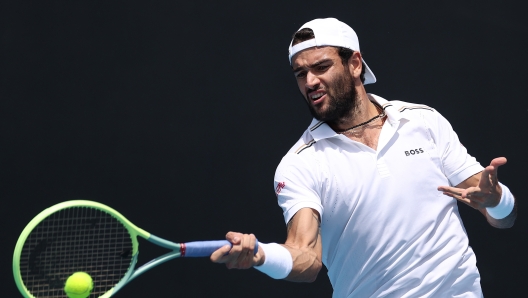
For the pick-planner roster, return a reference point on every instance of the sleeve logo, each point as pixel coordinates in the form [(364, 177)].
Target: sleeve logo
[(279, 187)]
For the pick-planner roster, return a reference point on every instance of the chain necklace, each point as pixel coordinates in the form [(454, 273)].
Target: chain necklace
[(379, 116)]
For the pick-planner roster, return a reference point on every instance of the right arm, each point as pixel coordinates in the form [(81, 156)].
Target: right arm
[(303, 242)]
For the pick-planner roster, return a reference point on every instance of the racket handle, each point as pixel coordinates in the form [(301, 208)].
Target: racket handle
[(204, 248)]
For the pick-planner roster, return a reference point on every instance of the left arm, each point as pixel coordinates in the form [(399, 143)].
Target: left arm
[(482, 191)]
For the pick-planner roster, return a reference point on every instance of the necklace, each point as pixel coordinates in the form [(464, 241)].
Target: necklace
[(379, 116)]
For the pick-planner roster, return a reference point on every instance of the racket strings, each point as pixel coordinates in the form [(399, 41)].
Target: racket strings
[(72, 240)]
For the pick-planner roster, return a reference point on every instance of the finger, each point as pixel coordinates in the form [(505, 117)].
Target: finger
[(485, 182), (221, 255), (457, 197), (252, 240), (234, 237), (459, 194), (499, 161), (244, 258), (450, 189), (244, 245), (468, 201), (471, 193), (452, 195), (496, 163), (454, 192), (232, 259)]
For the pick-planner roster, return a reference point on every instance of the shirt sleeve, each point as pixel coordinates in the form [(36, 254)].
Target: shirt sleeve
[(295, 187), (457, 164)]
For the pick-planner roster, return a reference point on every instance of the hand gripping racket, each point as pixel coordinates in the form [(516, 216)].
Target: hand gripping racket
[(90, 237)]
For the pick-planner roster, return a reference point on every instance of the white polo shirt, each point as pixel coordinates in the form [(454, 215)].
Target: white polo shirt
[(386, 229)]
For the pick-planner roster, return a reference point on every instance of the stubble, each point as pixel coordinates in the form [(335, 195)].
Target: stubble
[(342, 100)]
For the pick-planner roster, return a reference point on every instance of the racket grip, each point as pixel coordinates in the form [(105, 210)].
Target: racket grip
[(204, 248)]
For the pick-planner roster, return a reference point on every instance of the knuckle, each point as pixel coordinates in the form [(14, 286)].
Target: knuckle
[(236, 250)]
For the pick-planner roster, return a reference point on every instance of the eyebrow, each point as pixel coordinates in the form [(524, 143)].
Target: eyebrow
[(313, 65)]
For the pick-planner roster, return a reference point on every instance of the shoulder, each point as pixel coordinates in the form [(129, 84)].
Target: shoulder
[(418, 113), (403, 108), (306, 141), (415, 111), (423, 115), (300, 154), (408, 108)]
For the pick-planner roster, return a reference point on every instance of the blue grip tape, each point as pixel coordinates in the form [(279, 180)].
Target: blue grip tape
[(206, 248)]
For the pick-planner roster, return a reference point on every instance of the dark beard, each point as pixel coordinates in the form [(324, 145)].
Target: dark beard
[(342, 100)]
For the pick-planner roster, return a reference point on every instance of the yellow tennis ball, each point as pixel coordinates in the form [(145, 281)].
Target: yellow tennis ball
[(78, 285)]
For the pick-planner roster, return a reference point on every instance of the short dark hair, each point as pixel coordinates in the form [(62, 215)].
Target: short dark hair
[(344, 53)]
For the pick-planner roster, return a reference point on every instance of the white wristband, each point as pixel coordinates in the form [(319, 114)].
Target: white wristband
[(505, 206), (278, 261)]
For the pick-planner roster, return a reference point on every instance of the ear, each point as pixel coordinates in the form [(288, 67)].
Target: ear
[(355, 65)]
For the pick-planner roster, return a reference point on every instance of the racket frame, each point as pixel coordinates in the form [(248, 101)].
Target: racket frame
[(134, 231)]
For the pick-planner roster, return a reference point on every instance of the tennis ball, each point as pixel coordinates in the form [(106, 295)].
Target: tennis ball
[(78, 285)]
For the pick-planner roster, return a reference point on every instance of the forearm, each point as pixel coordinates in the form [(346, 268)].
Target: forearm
[(299, 258), (306, 262), (304, 244)]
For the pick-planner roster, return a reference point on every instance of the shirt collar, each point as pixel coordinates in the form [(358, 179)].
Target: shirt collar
[(320, 130)]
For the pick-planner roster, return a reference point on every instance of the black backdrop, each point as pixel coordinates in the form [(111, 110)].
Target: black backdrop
[(176, 113)]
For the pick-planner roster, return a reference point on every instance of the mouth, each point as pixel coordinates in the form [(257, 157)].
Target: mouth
[(317, 96)]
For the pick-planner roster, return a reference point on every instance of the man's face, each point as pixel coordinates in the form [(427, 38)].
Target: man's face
[(326, 84)]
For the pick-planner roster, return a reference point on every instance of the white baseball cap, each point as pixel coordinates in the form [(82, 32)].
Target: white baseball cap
[(331, 32)]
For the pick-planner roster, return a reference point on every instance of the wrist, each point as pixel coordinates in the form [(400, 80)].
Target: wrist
[(505, 206), (278, 261)]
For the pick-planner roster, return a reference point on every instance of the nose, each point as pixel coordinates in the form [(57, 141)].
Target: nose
[(312, 81)]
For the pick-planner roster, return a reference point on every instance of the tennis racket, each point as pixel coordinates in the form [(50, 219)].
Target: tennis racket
[(90, 237)]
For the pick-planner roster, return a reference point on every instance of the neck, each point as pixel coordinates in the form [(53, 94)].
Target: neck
[(363, 111)]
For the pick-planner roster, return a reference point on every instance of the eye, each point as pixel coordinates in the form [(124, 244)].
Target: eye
[(322, 67), (301, 74)]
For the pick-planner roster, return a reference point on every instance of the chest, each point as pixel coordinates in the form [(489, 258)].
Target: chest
[(369, 138), (368, 135), (357, 179)]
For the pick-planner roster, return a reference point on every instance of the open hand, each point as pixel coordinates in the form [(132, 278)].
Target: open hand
[(479, 193)]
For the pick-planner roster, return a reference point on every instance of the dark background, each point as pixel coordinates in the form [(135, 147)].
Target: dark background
[(176, 113)]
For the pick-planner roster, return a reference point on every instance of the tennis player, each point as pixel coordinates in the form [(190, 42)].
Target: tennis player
[(371, 188)]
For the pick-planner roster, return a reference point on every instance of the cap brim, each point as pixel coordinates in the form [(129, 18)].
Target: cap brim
[(370, 78)]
